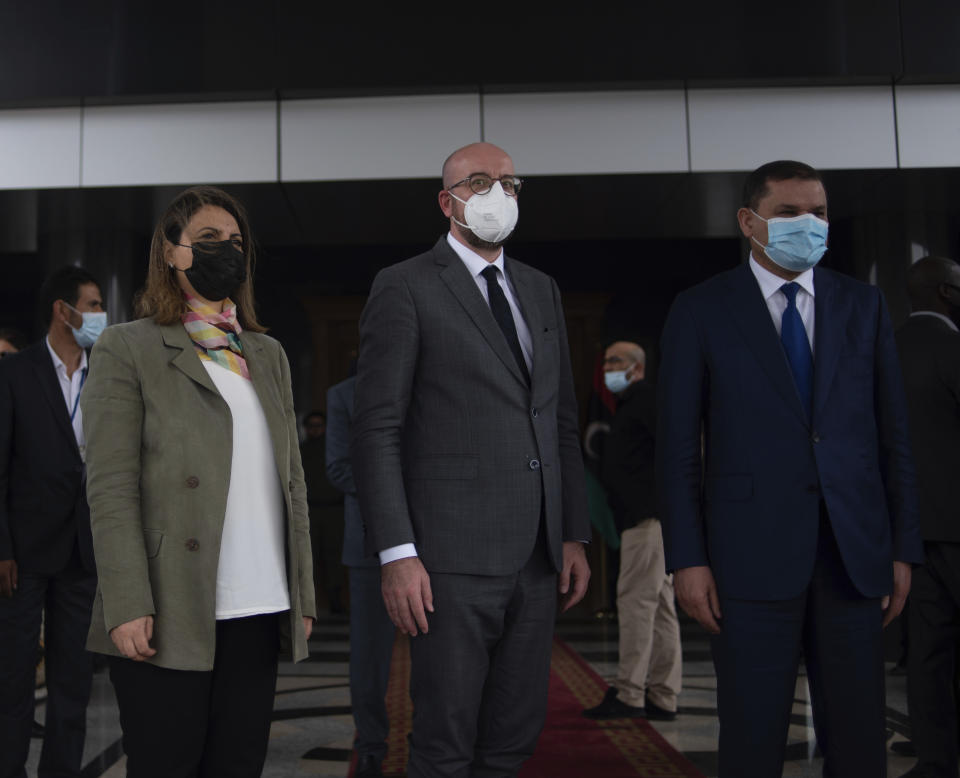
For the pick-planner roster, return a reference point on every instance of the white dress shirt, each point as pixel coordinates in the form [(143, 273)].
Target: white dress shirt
[(252, 571), (945, 319), (777, 301), (476, 265), (71, 386)]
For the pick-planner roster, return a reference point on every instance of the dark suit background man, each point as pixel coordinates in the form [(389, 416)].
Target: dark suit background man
[(929, 347), (649, 668), (371, 631), (325, 501), (468, 467), (46, 554), (796, 526)]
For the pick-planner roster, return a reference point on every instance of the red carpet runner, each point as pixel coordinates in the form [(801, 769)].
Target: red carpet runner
[(570, 746)]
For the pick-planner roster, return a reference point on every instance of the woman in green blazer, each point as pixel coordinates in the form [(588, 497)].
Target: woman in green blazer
[(197, 504)]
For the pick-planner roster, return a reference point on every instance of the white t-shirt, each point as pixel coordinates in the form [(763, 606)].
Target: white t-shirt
[(252, 574)]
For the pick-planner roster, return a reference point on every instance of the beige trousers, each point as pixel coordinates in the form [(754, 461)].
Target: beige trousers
[(650, 655)]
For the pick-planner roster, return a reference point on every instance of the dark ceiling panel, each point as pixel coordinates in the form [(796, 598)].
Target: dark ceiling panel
[(117, 50), (931, 31)]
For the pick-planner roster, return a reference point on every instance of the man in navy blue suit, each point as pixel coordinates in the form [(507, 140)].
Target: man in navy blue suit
[(789, 507), (371, 631)]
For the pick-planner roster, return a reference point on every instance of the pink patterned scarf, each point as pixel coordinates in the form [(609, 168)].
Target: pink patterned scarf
[(216, 335)]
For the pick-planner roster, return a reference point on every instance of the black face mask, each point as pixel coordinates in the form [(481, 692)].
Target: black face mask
[(218, 268)]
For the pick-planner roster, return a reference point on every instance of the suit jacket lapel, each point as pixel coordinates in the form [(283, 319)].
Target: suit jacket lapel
[(829, 312), (47, 378), (752, 317), (457, 278), (531, 313), (184, 356)]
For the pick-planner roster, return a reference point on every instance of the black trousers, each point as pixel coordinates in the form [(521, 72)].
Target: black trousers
[(931, 663), (757, 656), (192, 724), (66, 599), (479, 677), (371, 648)]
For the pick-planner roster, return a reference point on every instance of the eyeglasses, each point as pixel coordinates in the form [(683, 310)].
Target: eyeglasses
[(480, 183)]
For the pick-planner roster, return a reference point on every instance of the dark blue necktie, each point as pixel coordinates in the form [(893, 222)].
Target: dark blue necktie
[(793, 335)]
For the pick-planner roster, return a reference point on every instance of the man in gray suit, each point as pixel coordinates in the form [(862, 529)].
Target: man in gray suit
[(371, 631), (467, 460)]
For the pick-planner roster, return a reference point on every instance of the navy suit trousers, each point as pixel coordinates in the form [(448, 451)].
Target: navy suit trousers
[(372, 636), (757, 655), (65, 599)]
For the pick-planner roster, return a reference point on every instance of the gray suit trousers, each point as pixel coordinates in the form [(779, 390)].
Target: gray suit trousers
[(479, 677)]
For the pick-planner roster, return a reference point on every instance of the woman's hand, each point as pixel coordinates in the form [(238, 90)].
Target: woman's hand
[(133, 638), (307, 626)]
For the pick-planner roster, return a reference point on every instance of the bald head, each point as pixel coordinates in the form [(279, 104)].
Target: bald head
[(475, 158), (625, 355), (932, 282), (488, 232)]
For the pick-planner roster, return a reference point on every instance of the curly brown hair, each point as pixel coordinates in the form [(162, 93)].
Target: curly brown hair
[(162, 298)]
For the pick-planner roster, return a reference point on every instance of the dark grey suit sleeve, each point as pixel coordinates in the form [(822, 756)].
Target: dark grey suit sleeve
[(339, 469), (576, 517), (389, 343)]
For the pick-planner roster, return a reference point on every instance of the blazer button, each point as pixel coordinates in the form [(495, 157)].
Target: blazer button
[(192, 545), (193, 482), (815, 437), (535, 413), (534, 464), (290, 486)]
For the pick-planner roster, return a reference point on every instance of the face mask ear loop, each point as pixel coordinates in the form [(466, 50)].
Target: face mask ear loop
[(764, 248)]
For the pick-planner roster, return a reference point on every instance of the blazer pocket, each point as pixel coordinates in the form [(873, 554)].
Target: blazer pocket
[(152, 539), (444, 468), (729, 488)]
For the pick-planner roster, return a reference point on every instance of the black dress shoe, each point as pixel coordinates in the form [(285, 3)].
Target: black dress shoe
[(368, 766), (37, 730), (656, 713), (612, 708)]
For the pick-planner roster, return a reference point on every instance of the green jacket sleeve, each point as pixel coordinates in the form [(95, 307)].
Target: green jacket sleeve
[(299, 520), (112, 417)]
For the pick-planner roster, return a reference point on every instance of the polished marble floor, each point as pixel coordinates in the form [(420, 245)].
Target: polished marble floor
[(312, 729)]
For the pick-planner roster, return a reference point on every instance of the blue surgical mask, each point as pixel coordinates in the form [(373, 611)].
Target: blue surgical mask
[(616, 380), (93, 325), (796, 243)]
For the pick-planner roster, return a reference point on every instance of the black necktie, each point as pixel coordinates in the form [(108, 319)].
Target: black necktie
[(504, 317)]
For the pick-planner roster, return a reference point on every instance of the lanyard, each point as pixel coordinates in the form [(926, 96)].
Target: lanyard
[(76, 402)]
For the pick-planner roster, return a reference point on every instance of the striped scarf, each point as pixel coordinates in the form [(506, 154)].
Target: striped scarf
[(216, 335)]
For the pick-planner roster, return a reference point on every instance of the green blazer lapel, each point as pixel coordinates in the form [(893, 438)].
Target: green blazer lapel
[(265, 385), (183, 355)]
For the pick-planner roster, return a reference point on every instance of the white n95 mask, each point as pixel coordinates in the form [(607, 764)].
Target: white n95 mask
[(491, 216)]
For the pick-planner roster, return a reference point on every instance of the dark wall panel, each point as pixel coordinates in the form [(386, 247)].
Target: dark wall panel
[(931, 31)]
